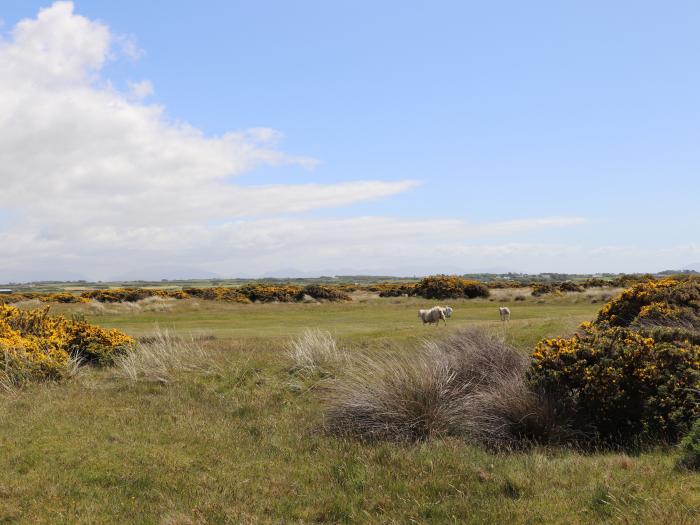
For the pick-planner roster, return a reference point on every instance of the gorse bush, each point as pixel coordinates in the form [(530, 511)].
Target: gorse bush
[(394, 289), (666, 302), (323, 292), (619, 384), (690, 448), (539, 289), (36, 345), (255, 292), (230, 295), (634, 373), (59, 297), (120, 295), (450, 287)]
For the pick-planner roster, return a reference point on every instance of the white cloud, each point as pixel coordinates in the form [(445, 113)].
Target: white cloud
[(142, 89), (70, 141), (95, 179)]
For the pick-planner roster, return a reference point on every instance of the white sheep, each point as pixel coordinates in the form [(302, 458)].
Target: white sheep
[(432, 315), (505, 313)]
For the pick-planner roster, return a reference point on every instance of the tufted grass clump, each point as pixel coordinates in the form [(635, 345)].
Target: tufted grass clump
[(162, 356), (470, 386), (316, 352)]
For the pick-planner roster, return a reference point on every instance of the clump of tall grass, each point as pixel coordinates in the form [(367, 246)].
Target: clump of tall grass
[(470, 385), (315, 352), (156, 304), (163, 356)]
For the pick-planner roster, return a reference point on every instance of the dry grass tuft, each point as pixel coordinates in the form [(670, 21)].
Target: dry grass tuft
[(163, 357), (315, 352), (470, 385), (28, 304), (157, 304)]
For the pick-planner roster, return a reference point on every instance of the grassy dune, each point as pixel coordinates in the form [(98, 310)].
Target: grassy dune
[(242, 444)]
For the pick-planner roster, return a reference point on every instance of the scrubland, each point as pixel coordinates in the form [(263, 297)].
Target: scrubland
[(216, 417)]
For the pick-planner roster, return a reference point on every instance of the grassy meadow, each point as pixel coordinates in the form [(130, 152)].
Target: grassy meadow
[(241, 441)]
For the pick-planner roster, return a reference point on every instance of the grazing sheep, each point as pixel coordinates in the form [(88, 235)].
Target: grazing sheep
[(448, 311), (505, 313), (433, 315)]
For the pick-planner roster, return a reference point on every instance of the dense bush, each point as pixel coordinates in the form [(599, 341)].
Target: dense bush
[(450, 287), (570, 286), (327, 293), (120, 295), (395, 289), (59, 297), (666, 302), (539, 289), (690, 448), (36, 345), (635, 371), (620, 384), (265, 293), (255, 292), (230, 295)]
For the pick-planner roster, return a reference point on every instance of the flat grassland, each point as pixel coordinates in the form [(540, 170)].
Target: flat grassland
[(243, 444)]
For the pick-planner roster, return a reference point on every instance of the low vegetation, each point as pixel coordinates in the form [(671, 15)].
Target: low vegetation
[(316, 353), (233, 436), (470, 386), (634, 373), (612, 383), (37, 346), (163, 356), (690, 448)]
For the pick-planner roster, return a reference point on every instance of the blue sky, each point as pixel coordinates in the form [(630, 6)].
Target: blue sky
[(500, 111)]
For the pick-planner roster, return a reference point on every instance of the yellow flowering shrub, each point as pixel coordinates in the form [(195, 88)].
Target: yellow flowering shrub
[(59, 297), (621, 377), (664, 302), (121, 295), (256, 292), (231, 295), (36, 345), (325, 292), (450, 287)]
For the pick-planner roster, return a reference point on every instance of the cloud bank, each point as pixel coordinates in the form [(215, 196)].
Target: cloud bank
[(95, 181)]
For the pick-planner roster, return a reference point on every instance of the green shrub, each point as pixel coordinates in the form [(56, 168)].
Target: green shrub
[(690, 448)]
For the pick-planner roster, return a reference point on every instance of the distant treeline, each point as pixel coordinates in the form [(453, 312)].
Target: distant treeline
[(432, 287)]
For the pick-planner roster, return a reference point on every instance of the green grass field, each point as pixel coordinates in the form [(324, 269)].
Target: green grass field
[(243, 444)]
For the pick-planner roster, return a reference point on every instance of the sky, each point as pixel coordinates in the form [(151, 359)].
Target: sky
[(186, 139)]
